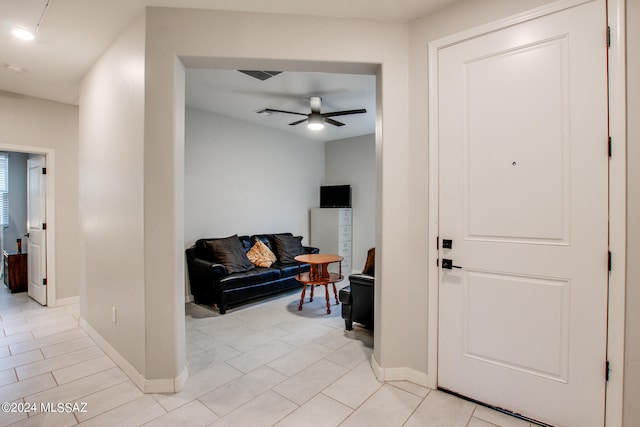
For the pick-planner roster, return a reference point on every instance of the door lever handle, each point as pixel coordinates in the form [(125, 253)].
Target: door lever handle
[(447, 264)]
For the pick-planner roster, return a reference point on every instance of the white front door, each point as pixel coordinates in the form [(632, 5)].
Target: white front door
[(37, 236), (523, 197)]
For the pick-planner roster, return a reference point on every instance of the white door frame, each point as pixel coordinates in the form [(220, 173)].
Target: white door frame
[(617, 192), (49, 154)]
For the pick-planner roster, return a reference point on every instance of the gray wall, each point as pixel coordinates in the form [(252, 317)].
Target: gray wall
[(632, 335), (353, 161), (246, 179), (32, 122)]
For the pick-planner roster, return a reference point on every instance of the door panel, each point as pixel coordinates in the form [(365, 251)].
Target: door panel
[(523, 194), (36, 241)]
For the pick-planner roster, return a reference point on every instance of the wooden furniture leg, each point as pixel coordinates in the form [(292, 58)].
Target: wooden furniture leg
[(304, 290), (312, 287), (326, 291), (335, 293)]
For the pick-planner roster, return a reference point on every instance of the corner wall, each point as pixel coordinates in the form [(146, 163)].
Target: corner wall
[(112, 196), (353, 161), (33, 122)]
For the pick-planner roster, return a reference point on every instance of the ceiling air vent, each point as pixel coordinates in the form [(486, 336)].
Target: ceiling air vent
[(260, 75)]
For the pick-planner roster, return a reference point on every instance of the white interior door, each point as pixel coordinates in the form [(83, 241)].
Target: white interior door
[(523, 197), (37, 236)]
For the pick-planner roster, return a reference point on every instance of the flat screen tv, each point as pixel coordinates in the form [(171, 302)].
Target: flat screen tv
[(335, 196)]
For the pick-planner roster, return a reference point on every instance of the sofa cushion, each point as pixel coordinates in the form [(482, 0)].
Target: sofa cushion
[(288, 270), (247, 278), (260, 255), (288, 247), (230, 252)]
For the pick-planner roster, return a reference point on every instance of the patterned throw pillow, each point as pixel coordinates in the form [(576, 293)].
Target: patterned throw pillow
[(260, 255)]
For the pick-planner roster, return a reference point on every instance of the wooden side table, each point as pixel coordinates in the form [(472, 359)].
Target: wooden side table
[(319, 274), (15, 271)]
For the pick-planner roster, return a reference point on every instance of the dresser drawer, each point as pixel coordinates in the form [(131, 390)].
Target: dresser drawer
[(344, 248), (344, 233), (344, 217)]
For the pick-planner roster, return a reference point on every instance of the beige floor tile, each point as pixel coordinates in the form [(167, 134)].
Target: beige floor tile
[(310, 381), (306, 335), (264, 411), (389, 406), (21, 389), (300, 358), (193, 414), (57, 362), (320, 411), (442, 410), (82, 369), (477, 422), (247, 362), (410, 387), (498, 418), (354, 387), (108, 399), (17, 338), (67, 347), (33, 344), (256, 339), (236, 393), (8, 376), (11, 417), (50, 419), (351, 355), (21, 359), (4, 351), (131, 414), (76, 390), (197, 385), (206, 358)]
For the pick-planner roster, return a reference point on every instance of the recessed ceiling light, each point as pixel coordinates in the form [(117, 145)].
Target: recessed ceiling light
[(23, 34), (15, 68)]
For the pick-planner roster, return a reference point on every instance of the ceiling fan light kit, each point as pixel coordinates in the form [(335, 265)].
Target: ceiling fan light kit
[(316, 119)]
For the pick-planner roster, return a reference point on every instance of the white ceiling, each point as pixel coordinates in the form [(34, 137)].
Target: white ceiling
[(74, 33)]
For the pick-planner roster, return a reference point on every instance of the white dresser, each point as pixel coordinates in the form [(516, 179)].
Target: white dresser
[(331, 232)]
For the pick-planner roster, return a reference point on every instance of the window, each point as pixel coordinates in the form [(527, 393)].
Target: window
[(4, 190)]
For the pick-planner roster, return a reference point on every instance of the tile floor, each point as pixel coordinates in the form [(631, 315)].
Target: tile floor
[(263, 364)]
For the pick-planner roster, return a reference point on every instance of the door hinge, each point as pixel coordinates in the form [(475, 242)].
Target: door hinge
[(608, 36), (44, 282), (438, 243), (44, 171), (610, 146), (609, 260), (607, 370), (44, 225)]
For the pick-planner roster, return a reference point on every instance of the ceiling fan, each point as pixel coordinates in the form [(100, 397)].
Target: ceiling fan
[(315, 118)]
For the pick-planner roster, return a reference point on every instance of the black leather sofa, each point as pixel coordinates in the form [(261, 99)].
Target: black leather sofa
[(357, 298), (212, 284)]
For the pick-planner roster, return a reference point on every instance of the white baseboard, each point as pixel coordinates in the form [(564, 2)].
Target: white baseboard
[(188, 298), (165, 385), (67, 301), (398, 374)]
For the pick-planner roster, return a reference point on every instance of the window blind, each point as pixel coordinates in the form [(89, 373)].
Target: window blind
[(4, 190)]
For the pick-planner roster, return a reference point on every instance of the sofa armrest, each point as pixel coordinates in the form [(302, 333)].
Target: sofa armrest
[(212, 269), (311, 250)]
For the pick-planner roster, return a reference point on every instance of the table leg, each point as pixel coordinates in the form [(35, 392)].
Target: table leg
[(312, 287), (335, 292), (326, 290), (304, 289)]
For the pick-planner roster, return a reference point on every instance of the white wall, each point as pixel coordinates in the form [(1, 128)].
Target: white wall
[(31, 122), (112, 196), (353, 161), (632, 332), (17, 201), (246, 179), (207, 38)]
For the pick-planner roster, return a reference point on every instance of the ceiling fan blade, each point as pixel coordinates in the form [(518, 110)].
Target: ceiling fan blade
[(298, 122), (344, 113), (315, 103), (271, 110), (333, 122)]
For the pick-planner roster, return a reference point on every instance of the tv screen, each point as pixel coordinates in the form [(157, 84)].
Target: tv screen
[(335, 196)]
